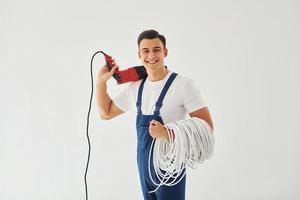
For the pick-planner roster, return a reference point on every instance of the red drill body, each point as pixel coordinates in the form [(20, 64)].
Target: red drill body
[(128, 75)]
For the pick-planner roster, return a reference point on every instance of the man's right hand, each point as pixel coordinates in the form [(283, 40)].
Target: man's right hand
[(104, 75), (107, 108)]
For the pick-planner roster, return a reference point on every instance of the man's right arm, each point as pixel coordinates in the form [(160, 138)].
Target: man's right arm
[(106, 107)]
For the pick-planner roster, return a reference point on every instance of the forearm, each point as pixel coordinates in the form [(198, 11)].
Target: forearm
[(103, 99)]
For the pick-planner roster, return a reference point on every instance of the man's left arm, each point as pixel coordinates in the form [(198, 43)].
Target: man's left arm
[(204, 114)]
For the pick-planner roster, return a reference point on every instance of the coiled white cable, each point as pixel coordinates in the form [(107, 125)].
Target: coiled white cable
[(193, 143)]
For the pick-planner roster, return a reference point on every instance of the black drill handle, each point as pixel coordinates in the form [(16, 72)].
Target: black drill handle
[(116, 75)]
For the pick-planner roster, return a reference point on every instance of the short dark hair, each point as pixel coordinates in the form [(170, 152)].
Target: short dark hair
[(151, 34)]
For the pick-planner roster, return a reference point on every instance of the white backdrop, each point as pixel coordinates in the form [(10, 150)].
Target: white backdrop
[(243, 55)]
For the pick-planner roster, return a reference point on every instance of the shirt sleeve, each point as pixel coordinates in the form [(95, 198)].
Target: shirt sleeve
[(122, 100), (193, 99)]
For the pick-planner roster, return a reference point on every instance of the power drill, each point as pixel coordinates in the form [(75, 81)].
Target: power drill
[(128, 75)]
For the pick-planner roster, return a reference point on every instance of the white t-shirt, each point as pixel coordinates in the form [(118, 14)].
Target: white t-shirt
[(183, 97)]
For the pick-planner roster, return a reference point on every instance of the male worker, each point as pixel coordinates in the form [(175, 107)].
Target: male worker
[(162, 97)]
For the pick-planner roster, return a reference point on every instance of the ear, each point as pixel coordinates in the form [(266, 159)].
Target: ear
[(139, 54), (166, 52)]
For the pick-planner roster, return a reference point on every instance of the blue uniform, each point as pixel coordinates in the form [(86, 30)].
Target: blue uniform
[(176, 192)]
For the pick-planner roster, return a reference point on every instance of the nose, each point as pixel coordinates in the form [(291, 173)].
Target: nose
[(151, 55)]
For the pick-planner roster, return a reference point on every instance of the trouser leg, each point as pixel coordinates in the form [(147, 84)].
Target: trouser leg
[(145, 181), (176, 192)]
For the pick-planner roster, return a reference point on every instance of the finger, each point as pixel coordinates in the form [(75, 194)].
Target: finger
[(151, 132), (154, 122), (113, 69), (104, 69), (113, 62), (152, 127)]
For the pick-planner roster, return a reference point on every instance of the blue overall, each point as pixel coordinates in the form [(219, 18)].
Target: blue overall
[(176, 192)]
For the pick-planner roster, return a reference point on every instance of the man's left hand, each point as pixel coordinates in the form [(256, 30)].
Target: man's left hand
[(157, 130)]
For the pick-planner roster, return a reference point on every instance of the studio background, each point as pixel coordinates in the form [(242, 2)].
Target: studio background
[(243, 55)]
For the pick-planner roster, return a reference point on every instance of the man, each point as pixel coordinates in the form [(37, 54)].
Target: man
[(161, 98)]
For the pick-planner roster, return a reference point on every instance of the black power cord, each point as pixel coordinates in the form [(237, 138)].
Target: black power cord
[(87, 127)]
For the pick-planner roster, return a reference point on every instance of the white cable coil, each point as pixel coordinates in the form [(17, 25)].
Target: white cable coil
[(193, 143)]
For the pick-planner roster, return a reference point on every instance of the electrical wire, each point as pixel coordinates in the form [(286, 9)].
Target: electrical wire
[(190, 141), (87, 126)]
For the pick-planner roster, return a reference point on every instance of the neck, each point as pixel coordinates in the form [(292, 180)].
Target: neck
[(158, 75)]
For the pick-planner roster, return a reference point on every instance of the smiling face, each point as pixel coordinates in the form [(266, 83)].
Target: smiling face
[(152, 54)]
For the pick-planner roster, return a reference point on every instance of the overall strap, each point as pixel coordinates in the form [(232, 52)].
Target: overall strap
[(139, 100), (163, 93)]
